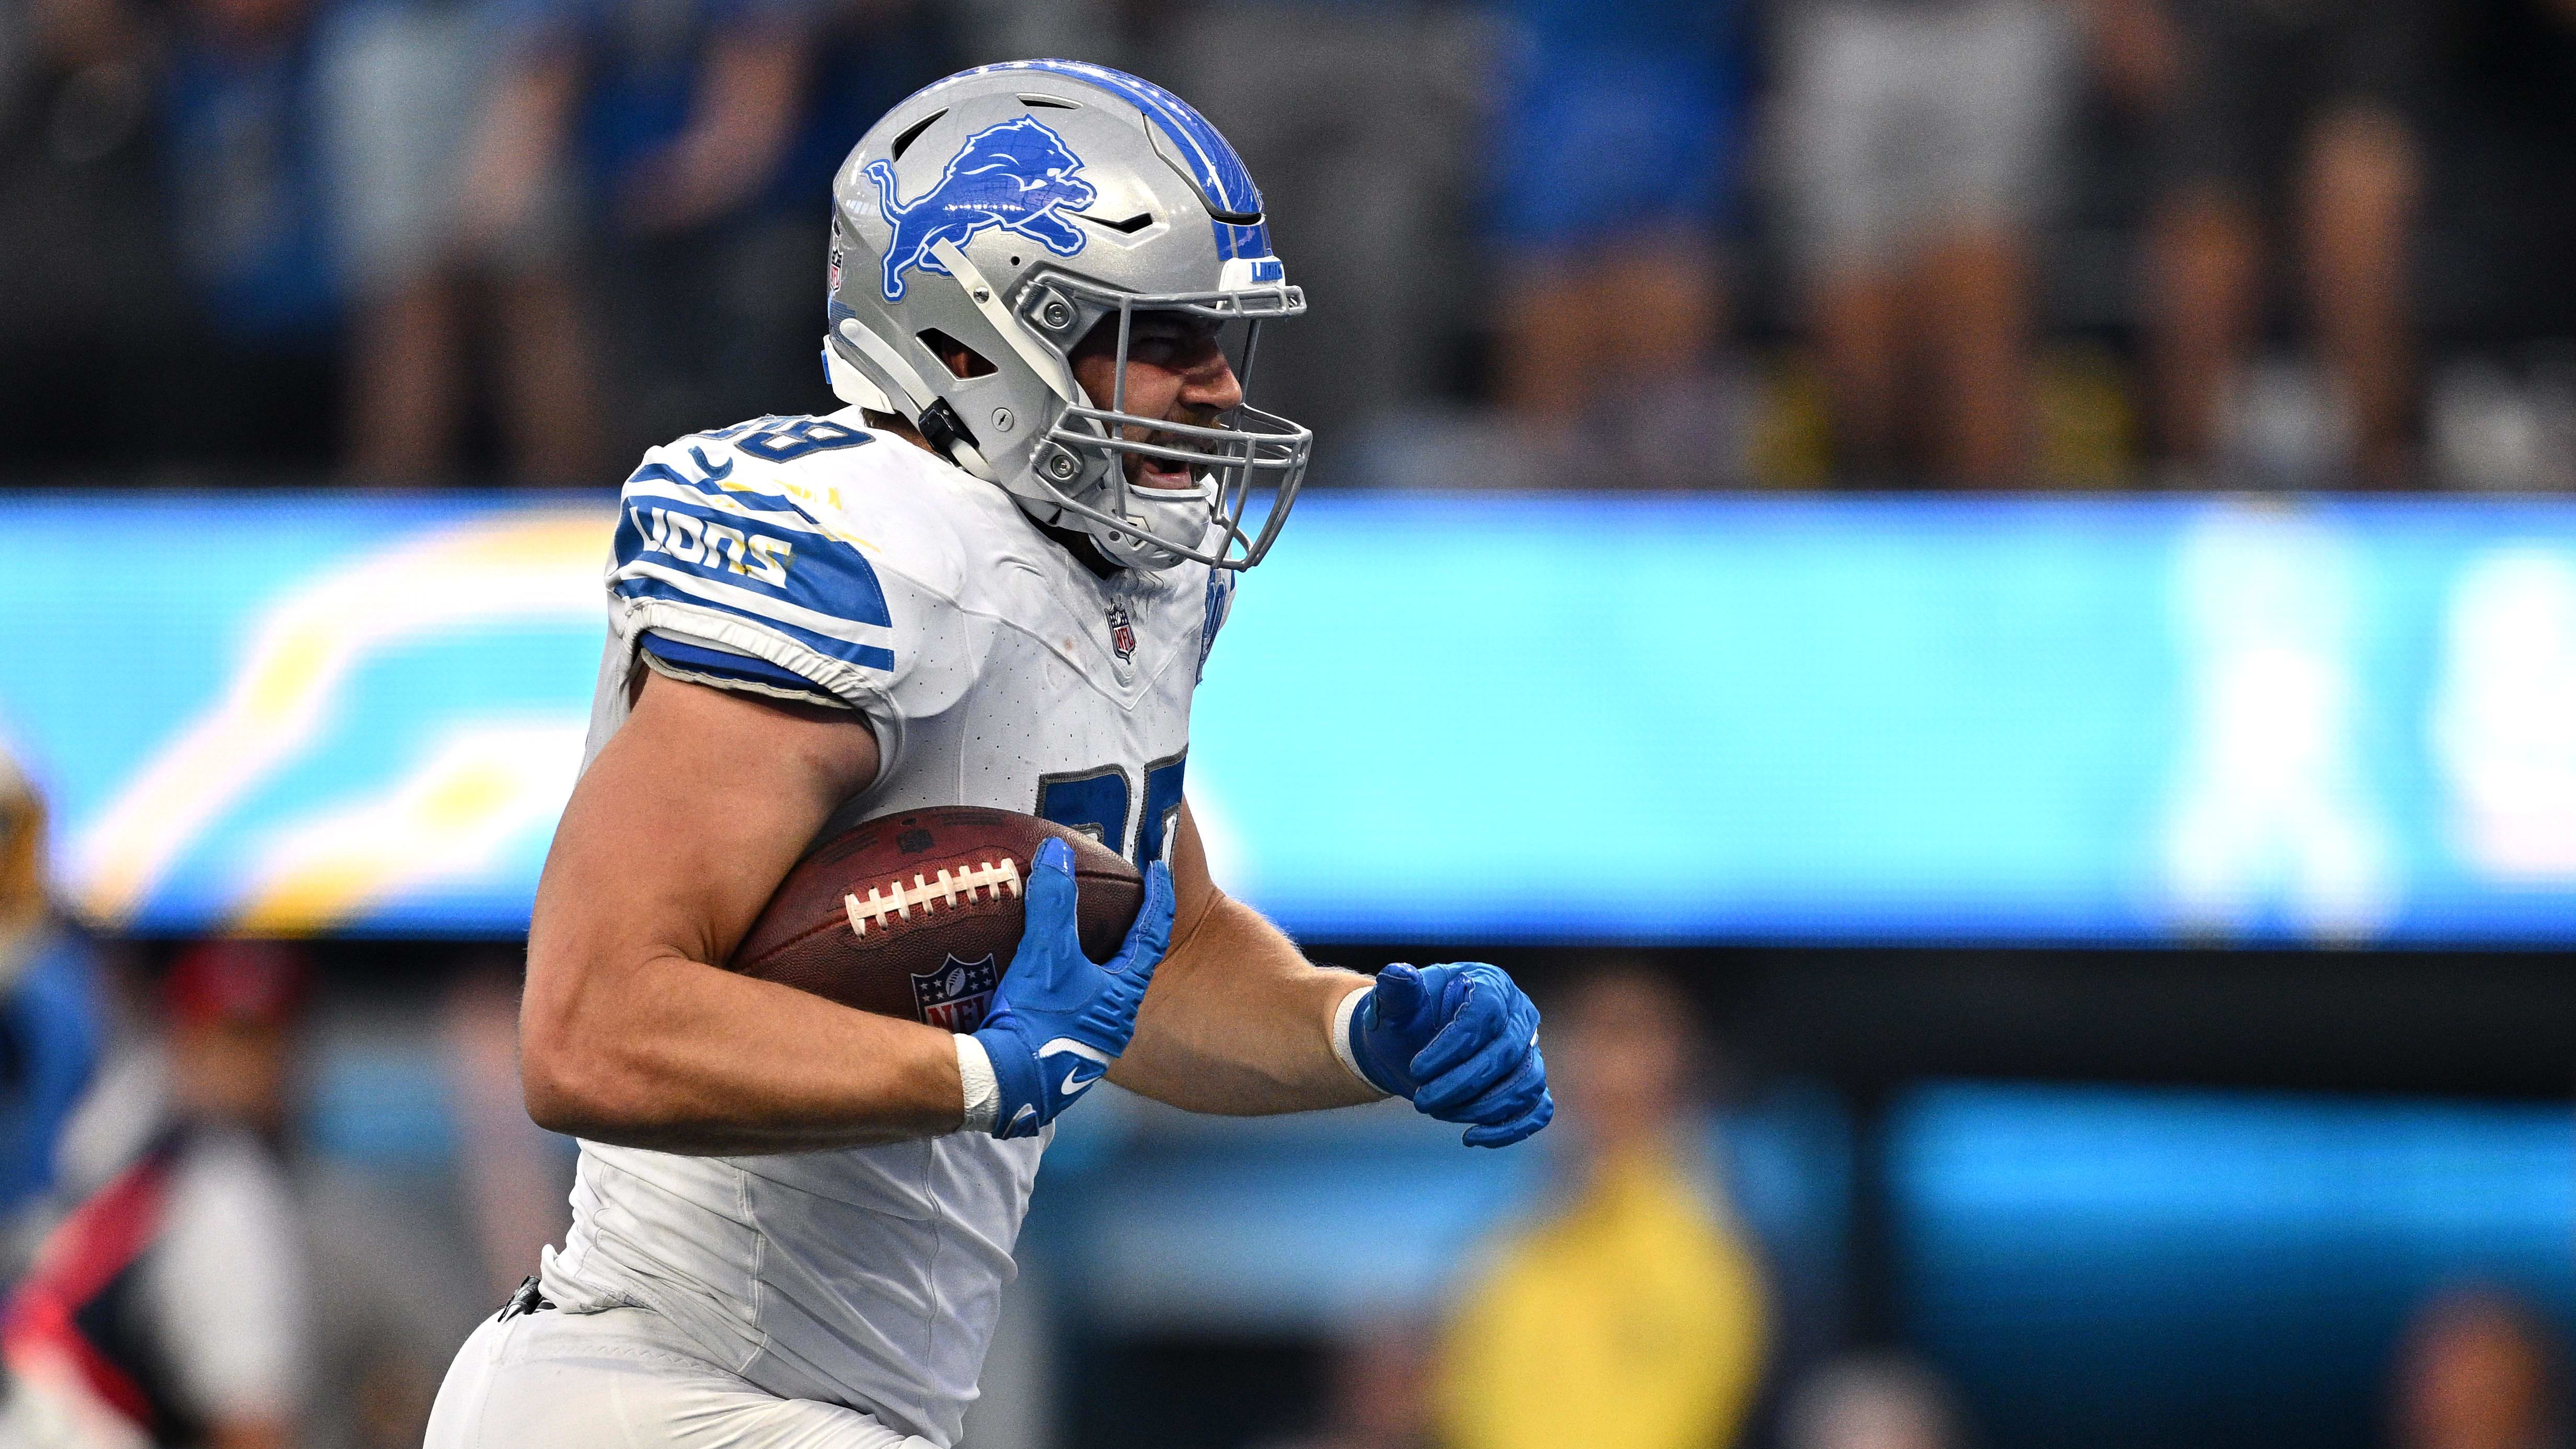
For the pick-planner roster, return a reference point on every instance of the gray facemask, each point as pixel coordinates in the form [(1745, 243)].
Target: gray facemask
[(1012, 209)]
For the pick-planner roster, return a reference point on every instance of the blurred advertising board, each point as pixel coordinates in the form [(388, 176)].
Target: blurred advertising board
[(2131, 1268), (1441, 717)]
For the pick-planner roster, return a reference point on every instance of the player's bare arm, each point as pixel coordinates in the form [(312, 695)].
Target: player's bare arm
[(631, 1033), (1238, 1022)]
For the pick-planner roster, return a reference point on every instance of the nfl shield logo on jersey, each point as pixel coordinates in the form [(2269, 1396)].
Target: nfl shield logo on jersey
[(1122, 633), (954, 997)]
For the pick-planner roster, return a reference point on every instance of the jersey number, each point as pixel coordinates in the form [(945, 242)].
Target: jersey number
[(1100, 803), (803, 436)]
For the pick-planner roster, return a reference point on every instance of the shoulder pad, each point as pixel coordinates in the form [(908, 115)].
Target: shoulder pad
[(710, 548)]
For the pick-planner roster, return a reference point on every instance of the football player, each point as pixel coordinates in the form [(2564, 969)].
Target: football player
[(992, 580)]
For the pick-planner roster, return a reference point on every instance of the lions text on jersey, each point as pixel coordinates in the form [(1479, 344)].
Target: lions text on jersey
[(814, 559)]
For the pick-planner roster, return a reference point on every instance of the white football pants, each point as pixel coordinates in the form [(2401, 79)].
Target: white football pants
[(622, 1379)]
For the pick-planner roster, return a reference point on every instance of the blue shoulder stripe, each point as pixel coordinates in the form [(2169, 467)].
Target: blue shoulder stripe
[(681, 539), (808, 570), (723, 664), (647, 580)]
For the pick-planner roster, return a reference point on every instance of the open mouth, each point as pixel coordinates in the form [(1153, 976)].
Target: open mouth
[(1145, 472)]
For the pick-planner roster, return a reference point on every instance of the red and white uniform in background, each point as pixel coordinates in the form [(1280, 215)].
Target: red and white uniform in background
[(171, 1299)]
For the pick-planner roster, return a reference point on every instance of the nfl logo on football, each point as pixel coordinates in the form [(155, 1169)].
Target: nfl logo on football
[(953, 998)]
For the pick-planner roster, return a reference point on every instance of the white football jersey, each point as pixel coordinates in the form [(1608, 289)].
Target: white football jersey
[(811, 557)]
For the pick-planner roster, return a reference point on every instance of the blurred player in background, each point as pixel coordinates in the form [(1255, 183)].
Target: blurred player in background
[(49, 1007), (169, 1307), (1633, 1307), (992, 580)]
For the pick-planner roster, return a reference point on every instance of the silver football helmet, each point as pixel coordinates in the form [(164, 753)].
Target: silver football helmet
[(1014, 208)]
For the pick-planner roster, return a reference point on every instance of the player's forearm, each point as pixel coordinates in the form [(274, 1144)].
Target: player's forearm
[(675, 1055), (1239, 1023)]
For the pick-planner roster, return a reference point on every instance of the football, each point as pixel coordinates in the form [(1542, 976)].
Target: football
[(917, 914)]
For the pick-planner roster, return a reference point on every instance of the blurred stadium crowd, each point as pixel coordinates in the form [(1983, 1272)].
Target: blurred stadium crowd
[(1548, 243)]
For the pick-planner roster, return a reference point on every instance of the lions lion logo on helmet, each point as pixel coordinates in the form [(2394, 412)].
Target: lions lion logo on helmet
[(1017, 175)]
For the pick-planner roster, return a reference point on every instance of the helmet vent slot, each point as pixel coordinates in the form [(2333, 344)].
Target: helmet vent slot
[(912, 133), (1049, 103), (1130, 225), (960, 359)]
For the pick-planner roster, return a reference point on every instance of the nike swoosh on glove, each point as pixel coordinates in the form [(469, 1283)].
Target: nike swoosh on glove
[(1461, 1043), (1058, 1020)]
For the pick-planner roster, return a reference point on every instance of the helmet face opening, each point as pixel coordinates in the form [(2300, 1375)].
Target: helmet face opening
[(996, 218), (1247, 464)]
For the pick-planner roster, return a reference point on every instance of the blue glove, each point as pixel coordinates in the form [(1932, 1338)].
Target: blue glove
[(1058, 1020), (1459, 1042)]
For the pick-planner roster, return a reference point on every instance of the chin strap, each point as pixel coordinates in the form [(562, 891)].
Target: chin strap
[(944, 430)]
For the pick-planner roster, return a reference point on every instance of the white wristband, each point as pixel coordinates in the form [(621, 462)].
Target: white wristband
[(983, 1093), (1342, 1035)]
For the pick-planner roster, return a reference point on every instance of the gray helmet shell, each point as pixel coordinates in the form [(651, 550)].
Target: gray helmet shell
[(1013, 208)]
